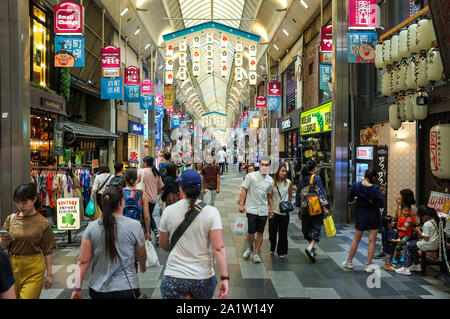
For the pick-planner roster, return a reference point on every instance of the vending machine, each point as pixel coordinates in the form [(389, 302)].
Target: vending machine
[(375, 157)]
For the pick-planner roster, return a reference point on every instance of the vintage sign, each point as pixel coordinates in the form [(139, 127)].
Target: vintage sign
[(317, 120), (159, 99), (111, 88), (68, 213), (274, 103), (437, 200), (110, 57), (146, 87), (136, 128), (325, 77), (361, 46), (68, 19), (363, 14), (381, 164), (274, 88), (364, 153), (131, 94), (146, 102), (95, 163), (260, 101), (69, 52), (327, 38), (308, 153), (326, 57), (132, 75)]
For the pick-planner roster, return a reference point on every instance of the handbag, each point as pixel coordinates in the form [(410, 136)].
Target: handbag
[(285, 206), (240, 226), (328, 223), (152, 257), (185, 224)]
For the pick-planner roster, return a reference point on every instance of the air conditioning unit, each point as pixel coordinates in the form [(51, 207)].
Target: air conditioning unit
[(224, 41)]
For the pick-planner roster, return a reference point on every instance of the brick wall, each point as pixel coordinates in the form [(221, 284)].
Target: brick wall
[(311, 82)]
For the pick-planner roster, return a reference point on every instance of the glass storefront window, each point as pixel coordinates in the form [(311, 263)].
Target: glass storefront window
[(39, 35)]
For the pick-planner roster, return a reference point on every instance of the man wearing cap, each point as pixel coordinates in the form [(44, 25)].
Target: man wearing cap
[(257, 196), (211, 178)]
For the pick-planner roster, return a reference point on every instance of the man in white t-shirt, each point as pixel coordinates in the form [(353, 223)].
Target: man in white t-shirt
[(257, 196), (221, 159)]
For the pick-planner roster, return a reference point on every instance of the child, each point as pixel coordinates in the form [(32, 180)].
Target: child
[(404, 225), (390, 241)]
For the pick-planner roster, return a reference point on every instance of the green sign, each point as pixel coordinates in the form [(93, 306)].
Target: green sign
[(317, 120)]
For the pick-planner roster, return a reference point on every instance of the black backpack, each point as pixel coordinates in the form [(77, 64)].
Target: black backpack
[(118, 181)]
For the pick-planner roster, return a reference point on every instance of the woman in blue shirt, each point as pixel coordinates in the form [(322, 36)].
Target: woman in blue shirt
[(368, 199)]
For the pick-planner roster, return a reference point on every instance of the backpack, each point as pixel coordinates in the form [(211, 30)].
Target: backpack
[(117, 181), (132, 208), (162, 169), (312, 199)]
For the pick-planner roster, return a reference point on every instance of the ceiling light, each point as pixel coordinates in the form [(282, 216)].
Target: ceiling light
[(146, 47), (304, 4), (137, 31), (275, 46), (285, 32), (124, 11)]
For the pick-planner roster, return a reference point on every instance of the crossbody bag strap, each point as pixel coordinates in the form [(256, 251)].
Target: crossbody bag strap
[(185, 224), (104, 183), (281, 199)]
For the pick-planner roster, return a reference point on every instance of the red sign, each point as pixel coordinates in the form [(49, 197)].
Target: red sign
[(132, 75), (261, 101), (169, 110), (95, 163), (434, 151), (159, 100), (68, 17), (110, 57), (274, 88), (363, 13), (327, 38), (191, 127), (146, 87)]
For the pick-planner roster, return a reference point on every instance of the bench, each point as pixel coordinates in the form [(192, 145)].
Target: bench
[(425, 261)]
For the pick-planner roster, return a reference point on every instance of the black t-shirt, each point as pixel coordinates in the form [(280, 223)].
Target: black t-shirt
[(6, 274)]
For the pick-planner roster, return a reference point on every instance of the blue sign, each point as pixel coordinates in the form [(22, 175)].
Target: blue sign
[(147, 102), (111, 88), (361, 46), (325, 77), (159, 111), (274, 103), (174, 123), (158, 131), (136, 128), (69, 52), (131, 93)]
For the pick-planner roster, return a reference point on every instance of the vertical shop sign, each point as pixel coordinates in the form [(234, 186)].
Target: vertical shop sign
[(363, 14), (174, 123), (168, 96), (325, 77), (110, 57), (95, 164), (381, 162), (169, 110), (131, 94), (68, 19), (260, 101), (146, 102), (133, 156), (159, 111), (158, 132), (274, 88), (274, 103), (68, 213), (361, 46), (69, 52), (159, 100), (147, 87), (327, 38), (132, 75), (111, 88), (58, 139), (145, 125)]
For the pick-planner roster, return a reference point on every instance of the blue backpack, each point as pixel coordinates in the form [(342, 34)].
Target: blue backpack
[(132, 208)]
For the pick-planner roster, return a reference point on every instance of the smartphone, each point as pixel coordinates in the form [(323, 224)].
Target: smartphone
[(5, 233)]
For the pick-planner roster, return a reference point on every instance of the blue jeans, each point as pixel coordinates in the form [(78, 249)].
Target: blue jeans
[(178, 288)]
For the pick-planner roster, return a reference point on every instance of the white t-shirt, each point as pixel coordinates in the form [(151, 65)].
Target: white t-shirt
[(100, 180), (221, 156), (284, 191), (191, 258), (258, 186), (430, 229)]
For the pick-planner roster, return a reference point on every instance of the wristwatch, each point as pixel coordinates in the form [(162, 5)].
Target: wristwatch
[(76, 289), (224, 278)]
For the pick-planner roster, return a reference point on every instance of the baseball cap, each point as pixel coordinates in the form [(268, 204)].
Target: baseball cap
[(190, 178)]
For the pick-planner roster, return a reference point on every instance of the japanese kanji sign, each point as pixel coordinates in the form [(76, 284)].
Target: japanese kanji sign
[(110, 57), (69, 52), (111, 88), (131, 94), (132, 75), (363, 14)]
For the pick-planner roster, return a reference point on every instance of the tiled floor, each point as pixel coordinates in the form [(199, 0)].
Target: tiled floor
[(293, 277)]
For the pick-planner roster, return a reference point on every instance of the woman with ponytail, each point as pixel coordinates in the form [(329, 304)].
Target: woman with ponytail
[(189, 270), (32, 238), (112, 244)]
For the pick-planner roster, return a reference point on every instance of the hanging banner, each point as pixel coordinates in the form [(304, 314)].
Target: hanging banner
[(135, 128), (145, 125), (159, 111), (183, 124), (317, 120), (168, 95), (146, 102), (361, 46), (169, 109), (131, 94), (363, 14), (245, 122), (327, 38), (146, 87), (260, 101), (58, 139), (68, 213), (158, 132), (191, 128), (111, 88), (274, 103), (325, 77), (68, 19), (69, 52), (174, 123), (274, 88), (133, 156), (132, 75), (110, 57), (326, 57), (159, 99)]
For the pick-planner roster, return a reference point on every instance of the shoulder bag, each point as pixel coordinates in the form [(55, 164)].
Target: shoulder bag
[(312, 199), (285, 206), (185, 224), (104, 183)]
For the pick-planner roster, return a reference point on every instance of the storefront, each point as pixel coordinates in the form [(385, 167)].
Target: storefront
[(289, 130)]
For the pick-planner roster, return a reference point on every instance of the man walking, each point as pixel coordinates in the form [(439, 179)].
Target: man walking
[(257, 198), (221, 155), (211, 179)]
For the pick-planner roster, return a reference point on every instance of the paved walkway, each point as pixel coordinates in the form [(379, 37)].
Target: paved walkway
[(293, 277)]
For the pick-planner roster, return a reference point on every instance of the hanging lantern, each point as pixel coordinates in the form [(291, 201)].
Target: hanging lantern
[(239, 74), (401, 109), (440, 151), (210, 38), (196, 55), (420, 103), (196, 42), (209, 51), (223, 69), (434, 67), (385, 84), (196, 69), (169, 50), (387, 52), (394, 120), (403, 44), (169, 77), (169, 63), (224, 41), (209, 66), (379, 63), (401, 77), (409, 107), (394, 49), (421, 72), (183, 59), (410, 75), (223, 54), (239, 60), (412, 36), (393, 81), (252, 50), (425, 34), (182, 73), (252, 78), (252, 63), (239, 47), (182, 46)]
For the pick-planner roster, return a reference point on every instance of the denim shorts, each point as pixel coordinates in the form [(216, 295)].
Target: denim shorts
[(179, 288)]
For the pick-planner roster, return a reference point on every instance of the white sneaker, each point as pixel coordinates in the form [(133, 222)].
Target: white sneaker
[(415, 268), (369, 268), (347, 265), (247, 253), (403, 271), (256, 258)]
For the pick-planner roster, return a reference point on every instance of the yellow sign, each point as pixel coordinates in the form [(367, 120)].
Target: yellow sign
[(317, 120), (309, 153), (68, 213), (168, 95)]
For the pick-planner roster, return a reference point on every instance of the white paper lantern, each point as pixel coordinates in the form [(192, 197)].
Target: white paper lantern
[(394, 49), (182, 46), (252, 49), (393, 81), (252, 78), (379, 63), (169, 77), (440, 151), (196, 41), (401, 77), (183, 59), (385, 83), (169, 50), (195, 56), (412, 37), (209, 51), (420, 103), (387, 52), (196, 69), (223, 69), (209, 38), (238, 59), (421, 72), (394, 120), (403, 44), (425, 34), (239, 47), (239, 74), (223, 54), (169, 63), (252, 63), (410, 75), (401, 109), (434, 67), (409, 107), (209, 66), (182, 73)]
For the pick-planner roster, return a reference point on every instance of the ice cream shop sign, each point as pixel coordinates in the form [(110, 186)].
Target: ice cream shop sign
[(69, 19)]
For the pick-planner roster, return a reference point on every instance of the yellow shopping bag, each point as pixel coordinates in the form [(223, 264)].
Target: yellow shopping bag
[(329, 226)]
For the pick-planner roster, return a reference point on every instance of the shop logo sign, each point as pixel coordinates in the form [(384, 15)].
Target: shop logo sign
[(68, 17), (274, 88), (110, 57), (364, 153), (132, 75), (286, 124), (147, 87), (136, 128), (261, 101)]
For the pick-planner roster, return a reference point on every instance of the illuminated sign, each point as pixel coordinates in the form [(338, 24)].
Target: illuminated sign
[(364, 153), (136, 128), (317, 120)]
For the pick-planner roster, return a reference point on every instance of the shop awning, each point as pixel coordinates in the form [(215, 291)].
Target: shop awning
[(88, 131)]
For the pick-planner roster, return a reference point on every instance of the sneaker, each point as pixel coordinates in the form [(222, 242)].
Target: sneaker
[(394, 261), (403, 271), (402, 260), (347, 265), (369, 268), (415, 268), (247, 253), (313, 252), (389, 267), (379, 255), (310, 256), (281, 256), (256, 259)]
